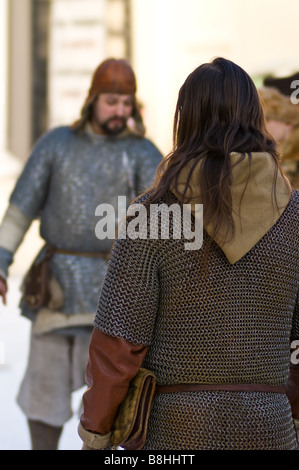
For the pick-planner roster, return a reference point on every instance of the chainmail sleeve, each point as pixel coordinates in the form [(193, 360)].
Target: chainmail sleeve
[(31, 189), (26, 200), (129, 298), (145, 166), (295, 326)]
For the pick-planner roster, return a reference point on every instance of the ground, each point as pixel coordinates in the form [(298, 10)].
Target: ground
[(14, 341), (14, 336)]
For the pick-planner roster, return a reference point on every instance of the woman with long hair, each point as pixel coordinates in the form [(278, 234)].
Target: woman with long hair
[(213, 322)]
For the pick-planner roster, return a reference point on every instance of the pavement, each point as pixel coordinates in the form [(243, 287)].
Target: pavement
[(14, 348), (15, 332)]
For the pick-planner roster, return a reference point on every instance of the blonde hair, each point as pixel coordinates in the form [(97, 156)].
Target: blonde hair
[(278, 107)]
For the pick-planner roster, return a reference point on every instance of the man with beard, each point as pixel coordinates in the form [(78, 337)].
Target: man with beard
[(71, 171)]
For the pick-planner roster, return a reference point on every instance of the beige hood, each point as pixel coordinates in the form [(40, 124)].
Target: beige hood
[(258, 211)]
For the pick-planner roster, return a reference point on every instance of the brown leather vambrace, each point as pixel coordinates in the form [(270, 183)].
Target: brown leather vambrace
[(112, 364)]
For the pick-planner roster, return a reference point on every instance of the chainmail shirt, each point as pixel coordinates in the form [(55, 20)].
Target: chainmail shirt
[(227, 323), (66, 177)]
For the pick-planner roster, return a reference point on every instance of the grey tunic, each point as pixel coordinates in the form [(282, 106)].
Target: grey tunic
[(66, 177), (228, 324)]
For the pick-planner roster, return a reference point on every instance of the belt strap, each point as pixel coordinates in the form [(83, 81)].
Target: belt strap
[(177, 388), (51, 250)]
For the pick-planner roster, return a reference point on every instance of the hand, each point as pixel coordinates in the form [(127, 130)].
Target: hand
[(3, 290)]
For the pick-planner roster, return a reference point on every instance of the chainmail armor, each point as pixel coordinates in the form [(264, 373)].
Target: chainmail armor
[(230, 323), (66, 177)]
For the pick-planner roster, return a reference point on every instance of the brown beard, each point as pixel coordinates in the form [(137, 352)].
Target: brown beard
[(107, 130)]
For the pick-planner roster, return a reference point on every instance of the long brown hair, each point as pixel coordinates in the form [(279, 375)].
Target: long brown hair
[(218, 111), (87, 110)]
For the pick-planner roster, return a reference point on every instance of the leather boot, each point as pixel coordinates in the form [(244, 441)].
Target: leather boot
[(44, 436)]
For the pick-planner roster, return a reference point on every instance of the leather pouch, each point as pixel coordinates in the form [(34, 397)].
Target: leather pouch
[(36, 283), (130, 426)]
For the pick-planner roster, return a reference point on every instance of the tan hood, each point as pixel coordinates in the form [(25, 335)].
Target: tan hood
[(258, 211)]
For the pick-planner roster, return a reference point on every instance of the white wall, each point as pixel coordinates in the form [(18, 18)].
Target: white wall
[(172, 37), (3, 73), (77, 45), (20, 77)]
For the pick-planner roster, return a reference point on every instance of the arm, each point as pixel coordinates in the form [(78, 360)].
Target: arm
[(112, 364), (26, 202), (147, 161), (124, 323), (3, 290), (293, 380), (12, 230), (31, 189)]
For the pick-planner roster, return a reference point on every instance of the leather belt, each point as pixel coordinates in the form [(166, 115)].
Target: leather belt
[(52, 250), (178, 388)]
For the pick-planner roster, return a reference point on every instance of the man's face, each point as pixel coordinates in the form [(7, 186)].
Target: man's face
[(279, 130), (110, 113)]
